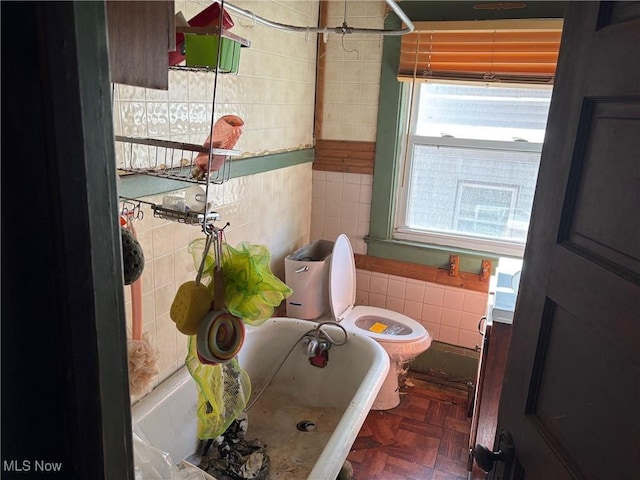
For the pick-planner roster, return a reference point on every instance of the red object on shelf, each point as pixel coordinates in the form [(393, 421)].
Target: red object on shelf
[(226, 132), (208, 17)]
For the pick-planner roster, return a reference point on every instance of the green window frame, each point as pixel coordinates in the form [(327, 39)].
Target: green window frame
[(391, 113)]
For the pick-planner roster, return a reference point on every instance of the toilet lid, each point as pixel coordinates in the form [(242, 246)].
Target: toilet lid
[(342, 278)]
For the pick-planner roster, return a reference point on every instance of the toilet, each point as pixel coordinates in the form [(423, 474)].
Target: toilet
[(402, 337)]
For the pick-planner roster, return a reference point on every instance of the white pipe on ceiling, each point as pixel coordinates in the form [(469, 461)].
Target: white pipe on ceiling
[(343, 29)]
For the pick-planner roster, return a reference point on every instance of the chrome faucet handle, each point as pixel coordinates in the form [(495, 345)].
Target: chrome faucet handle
[(325, 335), (312, 347), (319, 340)]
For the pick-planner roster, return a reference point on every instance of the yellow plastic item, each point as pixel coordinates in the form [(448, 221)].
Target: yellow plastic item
[(190, 305), (378, 327)]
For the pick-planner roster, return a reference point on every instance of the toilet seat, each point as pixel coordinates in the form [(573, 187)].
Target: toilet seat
[(374, 321), (384, 320)]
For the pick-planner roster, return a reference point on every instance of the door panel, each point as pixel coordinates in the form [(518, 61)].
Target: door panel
[(605, 183), (571, 393), (570, 421)]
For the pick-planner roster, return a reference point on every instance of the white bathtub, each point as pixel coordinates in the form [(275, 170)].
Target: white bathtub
[(337, 398)]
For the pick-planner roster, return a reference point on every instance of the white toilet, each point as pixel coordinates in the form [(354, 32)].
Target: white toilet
[(402, 337)]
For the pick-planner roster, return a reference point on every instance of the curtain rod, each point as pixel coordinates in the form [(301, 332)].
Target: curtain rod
[(343, 29)]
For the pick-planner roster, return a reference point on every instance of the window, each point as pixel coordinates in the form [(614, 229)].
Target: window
[(406, 70), (474, 214), (471, 163)]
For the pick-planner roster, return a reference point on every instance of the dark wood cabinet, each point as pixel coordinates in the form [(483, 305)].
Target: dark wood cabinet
[(493, 358), (141, 34)]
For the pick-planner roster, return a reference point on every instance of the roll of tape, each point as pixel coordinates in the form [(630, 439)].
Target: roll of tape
[(220, 337)]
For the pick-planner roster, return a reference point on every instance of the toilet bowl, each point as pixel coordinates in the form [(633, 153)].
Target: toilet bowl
[(402, 337)]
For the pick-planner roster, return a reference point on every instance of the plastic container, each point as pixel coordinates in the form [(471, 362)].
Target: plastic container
[(202, 51), (210, 16), (307, 273), (174, 202)]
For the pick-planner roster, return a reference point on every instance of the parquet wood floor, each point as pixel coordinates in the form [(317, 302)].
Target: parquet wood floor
[(426, 437)]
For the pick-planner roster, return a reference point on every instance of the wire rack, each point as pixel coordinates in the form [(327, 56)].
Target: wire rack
[(132, 207), (187, 162), (188, 218), (175, 160)]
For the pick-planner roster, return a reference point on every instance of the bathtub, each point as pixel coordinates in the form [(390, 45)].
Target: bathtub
[(337, 398)]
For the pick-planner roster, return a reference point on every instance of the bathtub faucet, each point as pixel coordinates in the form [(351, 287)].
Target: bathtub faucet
[(318, 341)]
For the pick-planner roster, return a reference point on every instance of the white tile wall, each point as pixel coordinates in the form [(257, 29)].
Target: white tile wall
[(274, 93), (450, 314), (352, 75), (341, 203), (282, 225)]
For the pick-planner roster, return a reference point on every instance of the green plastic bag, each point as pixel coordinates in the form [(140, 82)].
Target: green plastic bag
[(223, 392), (251, 289)]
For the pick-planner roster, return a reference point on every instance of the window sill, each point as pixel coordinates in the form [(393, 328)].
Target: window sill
[(428, 255), (474, 245)]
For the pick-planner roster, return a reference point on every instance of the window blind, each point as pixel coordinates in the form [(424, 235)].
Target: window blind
[(522, 55)]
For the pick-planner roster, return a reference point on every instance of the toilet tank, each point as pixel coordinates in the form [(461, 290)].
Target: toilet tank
[(307, 273)]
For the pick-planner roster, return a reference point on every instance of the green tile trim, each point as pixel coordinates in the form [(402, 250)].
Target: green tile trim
[(137, 186), (252, 165)]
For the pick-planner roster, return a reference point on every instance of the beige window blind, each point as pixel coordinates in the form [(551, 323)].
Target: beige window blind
[(502, 51)]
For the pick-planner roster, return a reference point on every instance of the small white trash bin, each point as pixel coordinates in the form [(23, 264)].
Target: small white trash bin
[(306, 272)]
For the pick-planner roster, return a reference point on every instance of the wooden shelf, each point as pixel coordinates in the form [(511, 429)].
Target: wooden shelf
[(140, 36)]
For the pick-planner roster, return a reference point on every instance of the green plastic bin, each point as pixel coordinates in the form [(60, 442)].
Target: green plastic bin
[(202, 51)]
